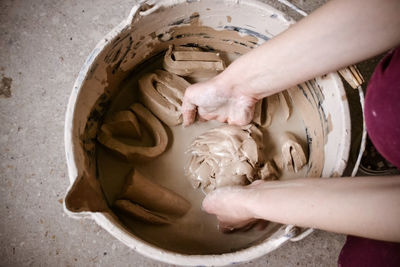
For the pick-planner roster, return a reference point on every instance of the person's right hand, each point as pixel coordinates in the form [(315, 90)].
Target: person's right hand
[(215, 100), (232, 207)]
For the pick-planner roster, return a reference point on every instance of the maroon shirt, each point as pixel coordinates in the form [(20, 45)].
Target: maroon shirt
[(382, 107), (382, 117)]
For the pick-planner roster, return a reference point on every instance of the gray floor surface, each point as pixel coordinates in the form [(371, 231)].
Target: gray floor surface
[(43, 45)]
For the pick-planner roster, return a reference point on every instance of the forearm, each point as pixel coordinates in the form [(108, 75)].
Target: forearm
[(340, 33), (368, 207)]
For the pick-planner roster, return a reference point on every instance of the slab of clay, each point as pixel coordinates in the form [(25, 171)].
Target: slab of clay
[(152, 196), (226, 155), (195, 56), (194, 64), (132, 152), (293, 155), (122, 124), (140, 213), (162, 92)]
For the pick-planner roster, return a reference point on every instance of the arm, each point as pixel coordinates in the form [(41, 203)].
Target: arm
[(367, 206), (340, 33)]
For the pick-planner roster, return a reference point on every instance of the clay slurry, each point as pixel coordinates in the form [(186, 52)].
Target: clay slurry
[(193, 231)]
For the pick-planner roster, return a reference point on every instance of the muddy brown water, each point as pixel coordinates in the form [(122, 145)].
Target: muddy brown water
[(196, 232)]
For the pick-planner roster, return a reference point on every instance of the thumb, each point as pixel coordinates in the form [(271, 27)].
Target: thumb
[(209, 204)]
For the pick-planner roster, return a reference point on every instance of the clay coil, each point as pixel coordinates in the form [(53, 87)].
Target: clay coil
[(132, 152), (162, 92)]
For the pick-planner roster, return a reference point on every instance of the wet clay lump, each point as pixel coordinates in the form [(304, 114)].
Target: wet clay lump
[(227, 155), (233, 155)]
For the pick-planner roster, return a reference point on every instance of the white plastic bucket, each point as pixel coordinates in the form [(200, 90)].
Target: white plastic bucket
[(148, 30)]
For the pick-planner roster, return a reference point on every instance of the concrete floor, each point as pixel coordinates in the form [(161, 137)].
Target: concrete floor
[(43, 45)]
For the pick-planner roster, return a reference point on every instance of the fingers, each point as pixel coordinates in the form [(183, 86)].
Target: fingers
[(228, 203), (221, 200), (201, 119), (261, 225), (238, 122), (256, 184), (212, 102), (193, 102), (210, 203), (242, 114), (188, 112), (242, 226), (204, 115)]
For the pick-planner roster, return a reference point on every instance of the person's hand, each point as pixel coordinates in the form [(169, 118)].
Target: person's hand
[(215, 100), (232, 207)]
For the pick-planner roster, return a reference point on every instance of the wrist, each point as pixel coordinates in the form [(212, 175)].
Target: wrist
[(228, 82)]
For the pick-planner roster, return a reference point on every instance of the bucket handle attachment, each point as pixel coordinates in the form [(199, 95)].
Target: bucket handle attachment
[(297, 233), (148, 6), (143, 8)]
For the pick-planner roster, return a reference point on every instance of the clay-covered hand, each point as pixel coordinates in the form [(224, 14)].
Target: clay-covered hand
[(231, 206), (214, 100)]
